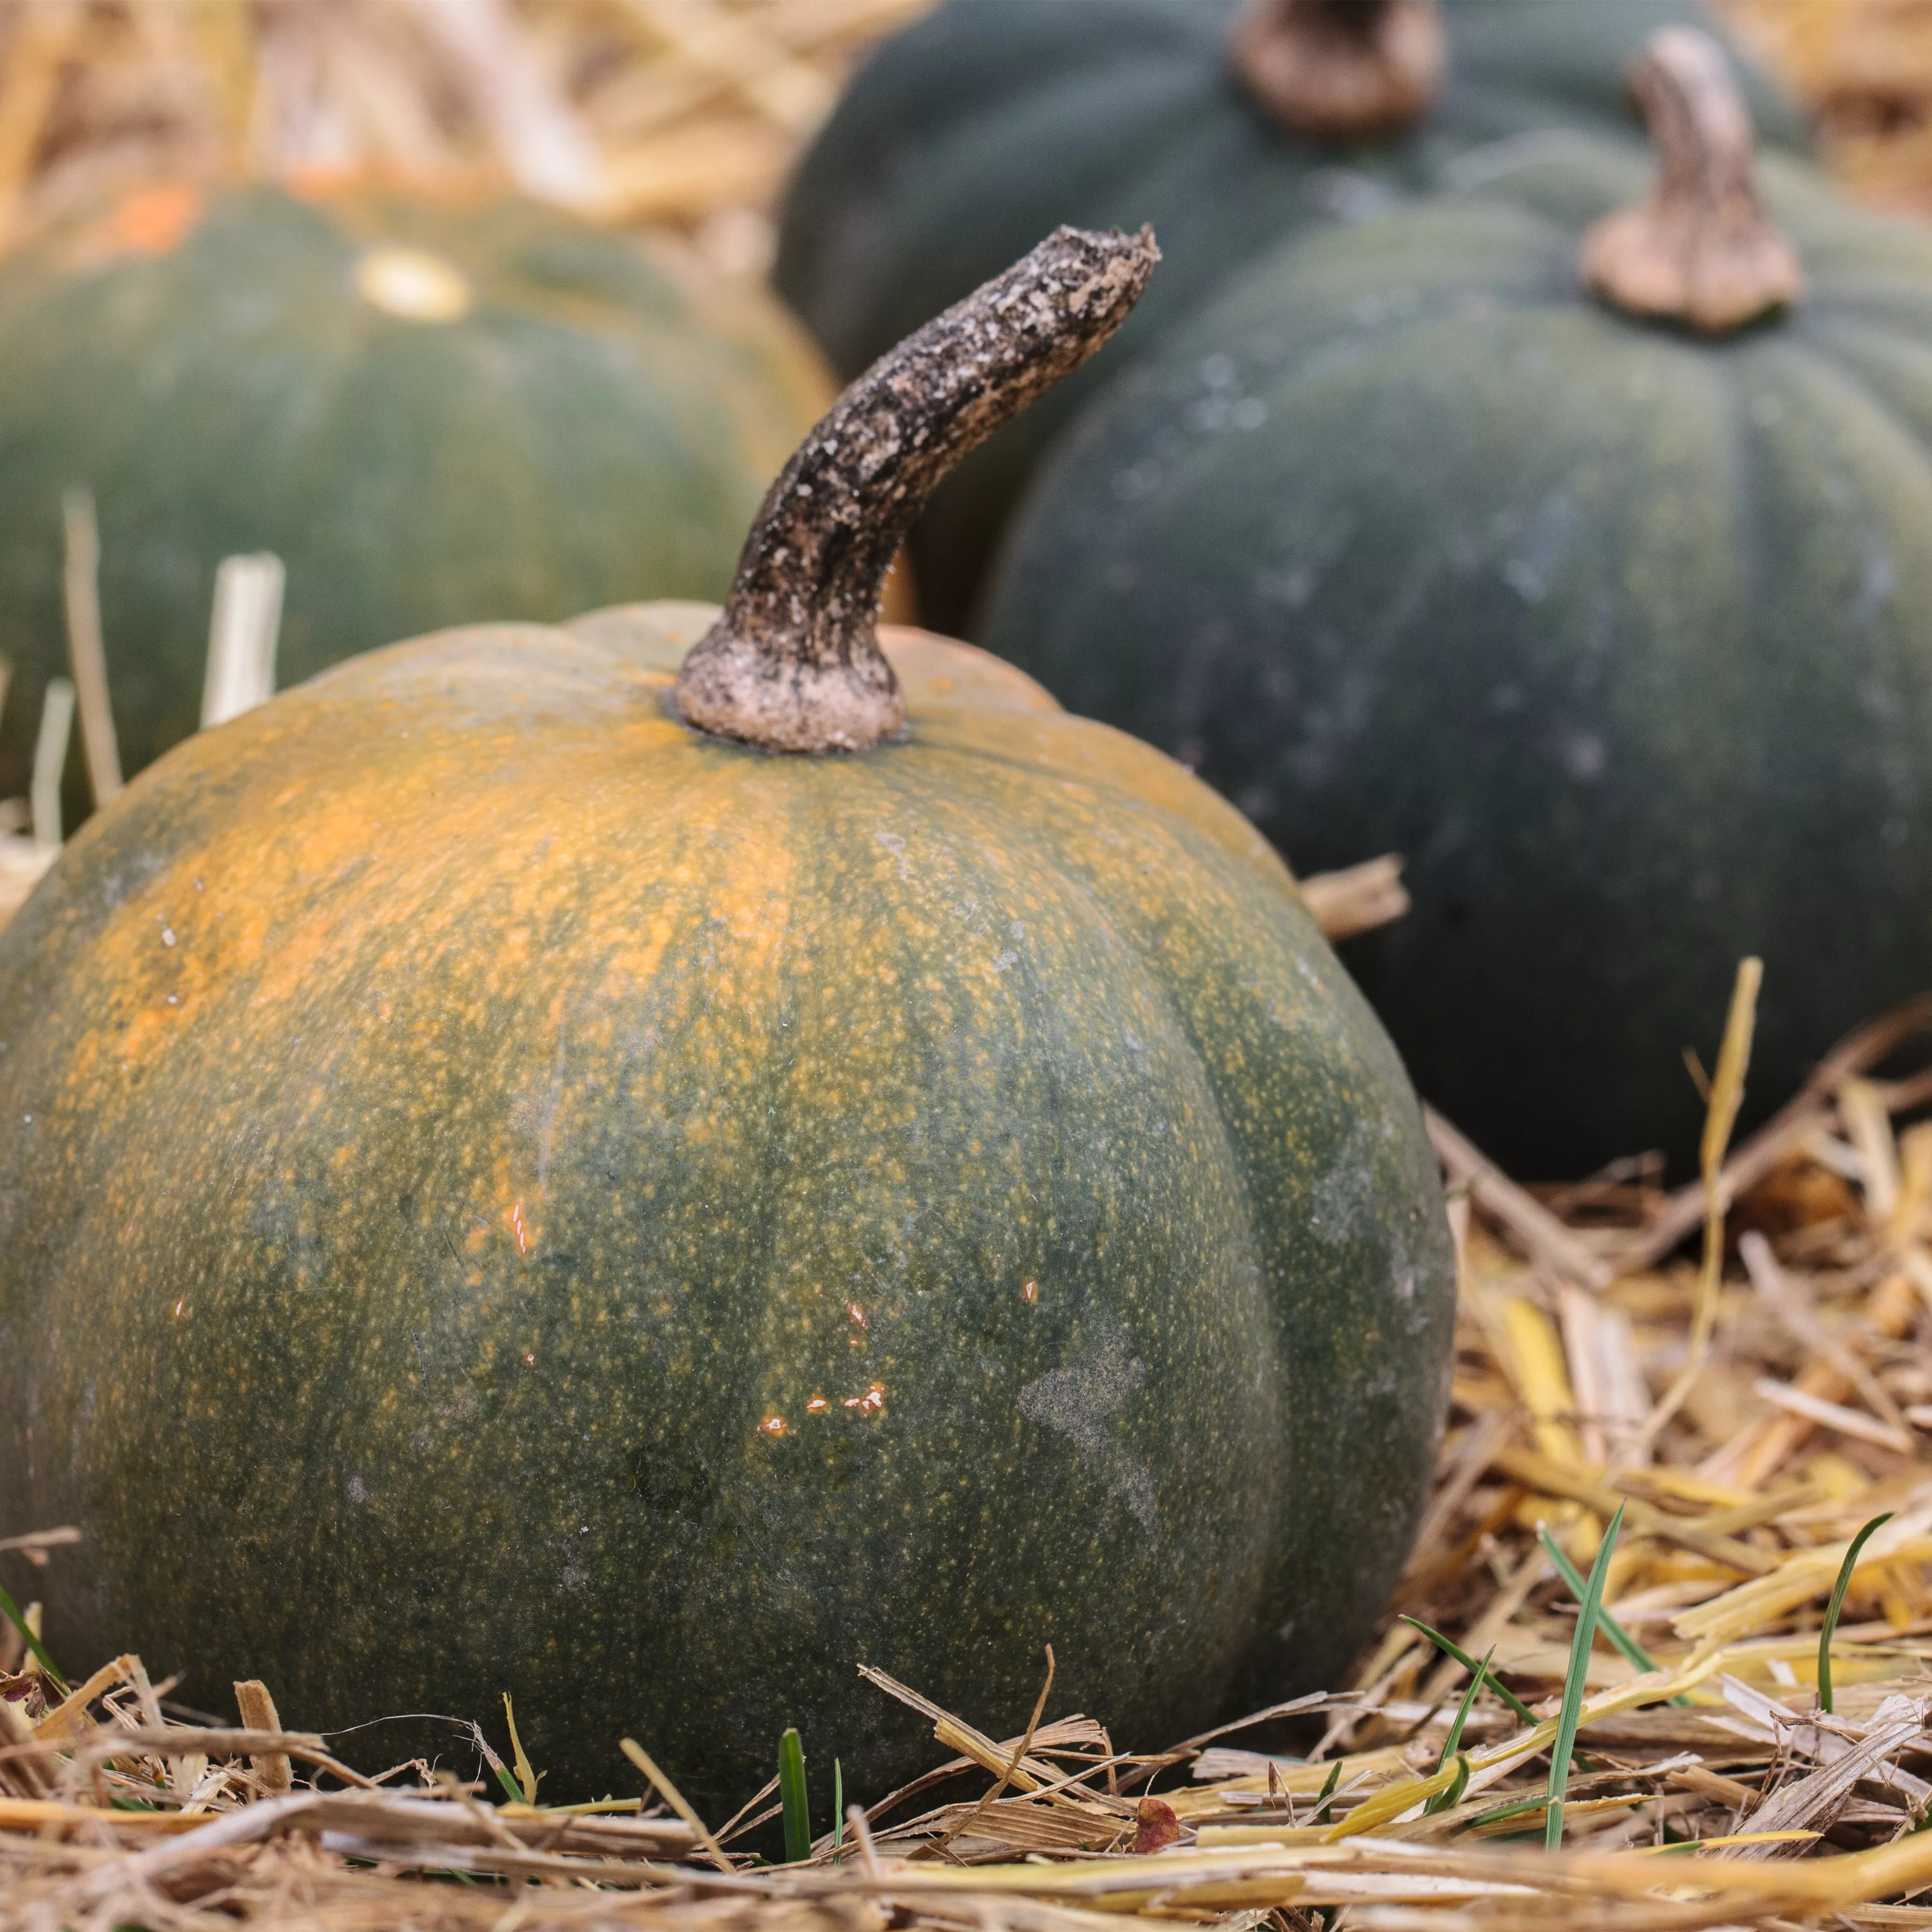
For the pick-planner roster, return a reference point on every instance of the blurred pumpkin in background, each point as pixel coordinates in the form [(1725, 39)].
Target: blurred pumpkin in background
[(1609, 607), (975, 130), (431, 411)]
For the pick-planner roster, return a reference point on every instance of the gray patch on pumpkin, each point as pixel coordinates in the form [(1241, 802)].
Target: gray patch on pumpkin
[(1877, 577), (1545, 534), (1585, 757), (1346, 1193), (896, 846), (1081, 1400)]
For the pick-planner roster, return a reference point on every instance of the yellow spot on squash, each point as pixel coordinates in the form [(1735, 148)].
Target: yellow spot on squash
[(413, 285)]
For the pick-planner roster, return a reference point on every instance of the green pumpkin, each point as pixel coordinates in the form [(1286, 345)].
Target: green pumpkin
[(505, 1191), (975, 131), (432, 414), (1621, 633)]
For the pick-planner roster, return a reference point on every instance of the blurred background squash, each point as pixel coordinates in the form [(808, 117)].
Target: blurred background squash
[(685, 114), (1620, 631), (429, 412), (1225, 125), (220, 216)]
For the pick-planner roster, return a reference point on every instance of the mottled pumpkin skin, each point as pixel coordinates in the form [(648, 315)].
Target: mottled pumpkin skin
[(984, 125), (498, 1191), (595, 427), (1624, 637)]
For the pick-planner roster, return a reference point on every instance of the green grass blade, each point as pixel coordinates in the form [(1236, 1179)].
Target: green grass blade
[(1589, 1606), (1633, 1651), (498, 1766), (1515, 1807), (527, 1777), (1443, 1800), (1845, 1569), (791, 1797), (11, 1611), (1573, 1582), (1322, 1804), (838, 1807), (1475, 1669)]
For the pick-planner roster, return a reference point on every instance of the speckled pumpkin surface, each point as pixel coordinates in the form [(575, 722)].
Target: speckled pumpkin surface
[(433, 414), (1624, 637), (500, 1192), (967, 136)]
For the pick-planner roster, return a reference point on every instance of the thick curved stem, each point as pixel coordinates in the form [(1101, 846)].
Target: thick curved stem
[(1340, 69), (1701, 250), (793, 665)]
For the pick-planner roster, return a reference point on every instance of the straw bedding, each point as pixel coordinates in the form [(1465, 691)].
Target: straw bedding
[(687, 111), (1864, 67)]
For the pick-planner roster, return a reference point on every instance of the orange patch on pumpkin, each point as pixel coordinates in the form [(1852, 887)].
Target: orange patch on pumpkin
[(315, 180), (154, 221)]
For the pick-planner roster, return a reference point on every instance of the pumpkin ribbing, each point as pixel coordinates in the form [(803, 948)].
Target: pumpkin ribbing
[(668, 1222)]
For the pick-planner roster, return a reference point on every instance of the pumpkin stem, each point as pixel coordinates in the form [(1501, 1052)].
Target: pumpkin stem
[(793, 664), (1700, 250), (1340, 68)]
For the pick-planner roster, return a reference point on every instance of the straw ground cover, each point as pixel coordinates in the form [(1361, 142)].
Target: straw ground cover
[(1697, 1442), (685, 111), (680, 112), (1864, 67)]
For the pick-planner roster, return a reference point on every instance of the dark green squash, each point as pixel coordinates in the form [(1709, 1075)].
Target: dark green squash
[(1621, 632), (980, 127), (432, 413), (501, 1190)]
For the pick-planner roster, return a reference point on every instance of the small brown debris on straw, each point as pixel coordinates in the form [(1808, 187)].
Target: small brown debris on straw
[(1358, 898), (272, 1771)]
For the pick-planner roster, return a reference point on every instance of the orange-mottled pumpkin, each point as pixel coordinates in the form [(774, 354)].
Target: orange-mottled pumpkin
[(503, 1189)]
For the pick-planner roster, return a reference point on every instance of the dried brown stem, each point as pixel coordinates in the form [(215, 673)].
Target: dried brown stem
[(272, 1769), (1338, 69), (793, 664), (1701, 250), (87, 655)]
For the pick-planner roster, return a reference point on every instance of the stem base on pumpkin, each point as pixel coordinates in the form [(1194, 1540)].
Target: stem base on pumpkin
[(736, 690), (1341, 69), (1701, 251)]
